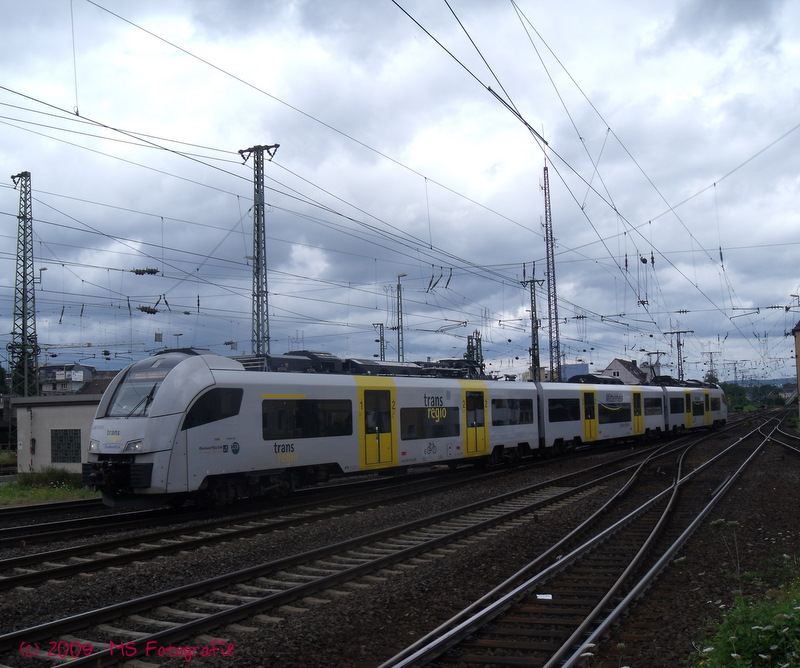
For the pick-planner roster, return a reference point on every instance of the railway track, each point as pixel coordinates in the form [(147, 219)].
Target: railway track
[(195, 609), (46, 510), (28, 534), (115, 520), (786, 439), (554, 611), (31, 569)]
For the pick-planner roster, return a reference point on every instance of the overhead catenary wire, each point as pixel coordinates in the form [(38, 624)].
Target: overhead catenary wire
[(292, 195), (95, 4), (555, 153)]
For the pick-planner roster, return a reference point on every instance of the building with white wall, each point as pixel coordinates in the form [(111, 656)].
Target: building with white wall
[(626, 370), (53, 431)]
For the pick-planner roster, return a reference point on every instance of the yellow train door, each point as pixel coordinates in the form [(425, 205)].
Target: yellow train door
[(638, 413), (378, 433), (688, 408), (589, 417), (475, 436)]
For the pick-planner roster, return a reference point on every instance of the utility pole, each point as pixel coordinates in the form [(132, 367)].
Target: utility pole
[(534, 350), (260, 329), (401, 354), (552, 294), (651, 365), (711, 370), (382, 341), (796, 334), (735, 364), (475, 349), (679, 346), (24, 349)]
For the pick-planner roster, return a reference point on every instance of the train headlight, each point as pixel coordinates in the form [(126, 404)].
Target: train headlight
[(133, 446), (94, 446)]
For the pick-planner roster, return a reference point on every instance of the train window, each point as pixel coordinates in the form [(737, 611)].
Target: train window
[(637, 404), (134, 394), (588, 406), (526, 412), (216, 404), (512, 411), (306, 418), (676, 405), (653, 406), (609, 413), (563, 410), (698, 406), (716, 404), (429, 422), (377, 411), (475, 416)]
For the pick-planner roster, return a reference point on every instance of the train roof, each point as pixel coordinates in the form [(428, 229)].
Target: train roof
[(595, 379), (669, 381), (311, 361)]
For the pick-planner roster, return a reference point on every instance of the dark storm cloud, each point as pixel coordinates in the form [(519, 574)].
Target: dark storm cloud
[(395, 159), (711, 24)]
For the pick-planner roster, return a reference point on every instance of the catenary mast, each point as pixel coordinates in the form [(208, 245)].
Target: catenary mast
[(552, 295), (260, 330), (23, 348), (679, 347), (534, 349)]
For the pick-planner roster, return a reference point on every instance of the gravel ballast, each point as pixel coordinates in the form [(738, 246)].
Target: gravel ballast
[(367, 623)]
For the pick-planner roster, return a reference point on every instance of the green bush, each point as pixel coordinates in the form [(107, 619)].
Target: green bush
[(765, 633), (8, 457), (50, 478)]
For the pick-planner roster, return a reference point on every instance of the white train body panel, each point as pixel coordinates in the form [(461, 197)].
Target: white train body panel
[(563, 410), (654, 409), (239, 444), (182, 424), (614, 412), (514, 420)]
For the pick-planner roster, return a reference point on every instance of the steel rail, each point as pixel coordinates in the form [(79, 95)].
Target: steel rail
[(625, 577), (269, 524), (82, 621), (31, 510), (494, 603), (638, 590), (13, 536)]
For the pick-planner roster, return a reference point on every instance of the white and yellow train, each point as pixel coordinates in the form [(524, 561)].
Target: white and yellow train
[(190, 424)]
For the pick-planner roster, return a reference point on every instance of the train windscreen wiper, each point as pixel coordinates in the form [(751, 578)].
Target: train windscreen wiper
[(143, 403)]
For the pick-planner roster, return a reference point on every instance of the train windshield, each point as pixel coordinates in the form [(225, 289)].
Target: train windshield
[(134, 395)]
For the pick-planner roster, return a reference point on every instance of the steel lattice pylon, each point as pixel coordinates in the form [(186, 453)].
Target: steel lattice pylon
[(534, 349), (552, 294), (23, 349), (260, 331)]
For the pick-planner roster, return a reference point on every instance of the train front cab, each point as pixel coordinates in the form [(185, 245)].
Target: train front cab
[(137, 454), (719, 408)]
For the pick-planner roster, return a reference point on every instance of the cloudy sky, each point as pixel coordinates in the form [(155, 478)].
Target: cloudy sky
[(413, 136)]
